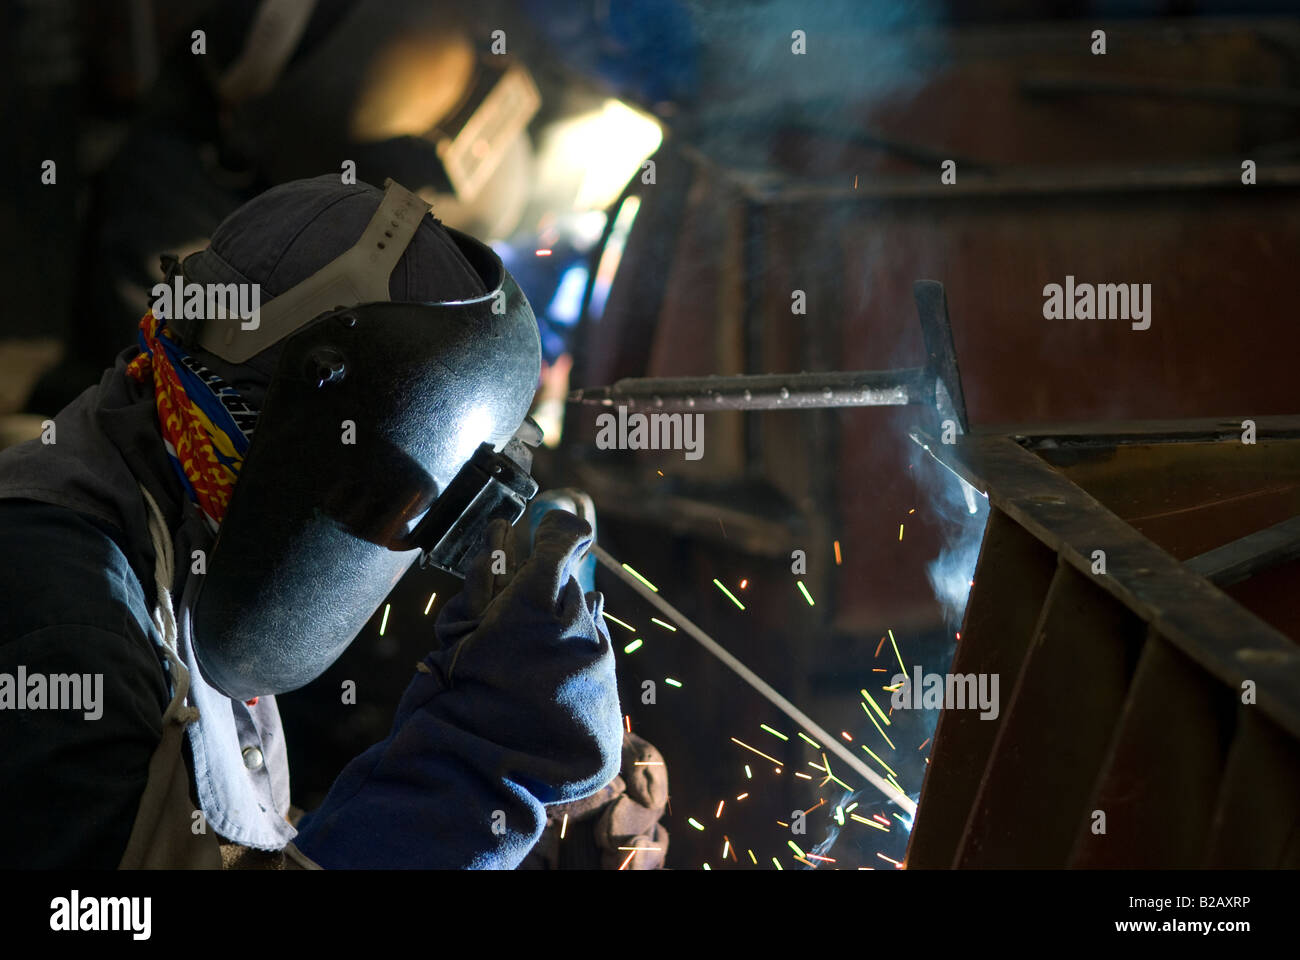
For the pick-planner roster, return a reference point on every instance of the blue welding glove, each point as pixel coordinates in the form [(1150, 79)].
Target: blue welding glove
[(580, 505), (519, 709)]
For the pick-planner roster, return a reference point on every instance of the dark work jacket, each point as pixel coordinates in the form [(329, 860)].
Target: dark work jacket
[(77, 574)]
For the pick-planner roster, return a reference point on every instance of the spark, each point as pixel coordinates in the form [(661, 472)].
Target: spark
[(813, 856), (851, 807), (742, 796), (666, 626), (544, 252), (759, 752), (695, 823), (428, 605), (726, 846), (804, 590), (879, 670), (899, 819), (660, 472), (855, 181), (671, 682), (893, 687), (958, 634), (749, 775), (564, 826), (778, 769), (878, 646), (912, 511), (744, 584), (707, 867), (795, 847), (896, 653), (778, 863), (802, 860), (731, 596), (775, 733), (878, 727), (900, 532), (870, 823), (816, 766), (839, 816), (884, 820), (878, 760), (804, 775), (718, 815), (876, 707), (641, 848), (384, 625), (837, 553), (894, 862), (633, 647), (819, 802), (922, 746), (845, 735), (809, 740), (626, 626), (896, 783), (648, 763), (623, 866), (628, 718), (648, 585), (752, 858)]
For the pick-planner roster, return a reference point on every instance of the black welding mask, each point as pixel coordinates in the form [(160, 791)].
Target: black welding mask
[(389, 432)]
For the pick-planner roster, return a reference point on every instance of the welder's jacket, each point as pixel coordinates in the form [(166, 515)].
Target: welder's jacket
[(78, 588), (154, 782)]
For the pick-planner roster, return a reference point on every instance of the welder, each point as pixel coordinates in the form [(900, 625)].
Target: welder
[(214, 523)]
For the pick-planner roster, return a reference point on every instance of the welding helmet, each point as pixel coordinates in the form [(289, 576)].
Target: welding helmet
[(388, 431)]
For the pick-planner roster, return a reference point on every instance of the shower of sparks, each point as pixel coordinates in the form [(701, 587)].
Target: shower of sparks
[(695, 823), (877, 759), (804, 590), (896, 653), (384, 625), (759, 752), (809, 740), (626, 626), (666, 626), (429, 605), (671, 682), (730, 596), (876, 707), (775, 733), (648, 585), (564, 826), (633, 647), (838, 561), (717, 815)]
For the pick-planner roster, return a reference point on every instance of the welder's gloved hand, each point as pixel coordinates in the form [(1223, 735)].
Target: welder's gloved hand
[(517, 710), (616, 828)]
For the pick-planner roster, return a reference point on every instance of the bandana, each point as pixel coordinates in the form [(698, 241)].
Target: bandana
[(206, 425)]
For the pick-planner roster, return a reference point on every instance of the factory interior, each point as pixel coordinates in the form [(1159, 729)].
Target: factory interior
[(978, 313)]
